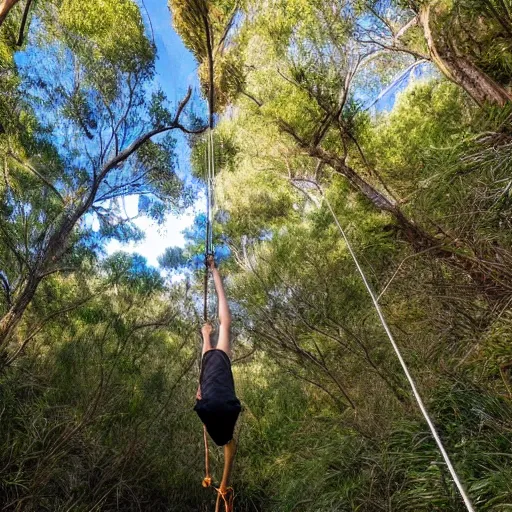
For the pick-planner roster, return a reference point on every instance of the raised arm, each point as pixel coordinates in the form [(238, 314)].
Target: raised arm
[(224, 312)]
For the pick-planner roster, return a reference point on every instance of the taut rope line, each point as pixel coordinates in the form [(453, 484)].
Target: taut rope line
[(208, 246), (416, 394)]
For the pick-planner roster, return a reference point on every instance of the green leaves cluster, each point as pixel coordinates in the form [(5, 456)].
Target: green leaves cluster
[(104, 32), (205, 26)]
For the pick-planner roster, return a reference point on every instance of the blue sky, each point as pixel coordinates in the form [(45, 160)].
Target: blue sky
[(176, 70)]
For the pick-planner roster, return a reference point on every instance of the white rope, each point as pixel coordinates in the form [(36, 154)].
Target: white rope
[(211, 185), (212, 177), (395, 82), (207, 193), (421, 405)]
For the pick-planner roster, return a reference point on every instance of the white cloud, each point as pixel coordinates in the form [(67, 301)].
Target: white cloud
[(157, 237)]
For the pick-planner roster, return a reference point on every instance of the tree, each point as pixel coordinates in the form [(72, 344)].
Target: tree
[(96, 148), (105, 375), (444, 27), (309, 82), (205, 26), (172, 258), (453, 35)]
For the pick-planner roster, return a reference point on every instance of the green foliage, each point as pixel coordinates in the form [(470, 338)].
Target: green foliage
[(360, 445), (78, 139), (429, 118), (113, 33), (489, 44), (204, 24), (102, 372), (160, 115), (172, 258), (98, 380)]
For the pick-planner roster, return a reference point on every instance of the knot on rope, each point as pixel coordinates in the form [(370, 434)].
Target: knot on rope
[(207, 481), (228, 496)]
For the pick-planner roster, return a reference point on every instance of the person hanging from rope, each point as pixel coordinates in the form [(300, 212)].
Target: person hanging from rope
[(217, 405)]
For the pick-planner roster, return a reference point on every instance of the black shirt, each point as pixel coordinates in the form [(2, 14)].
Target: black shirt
[(219, 407)]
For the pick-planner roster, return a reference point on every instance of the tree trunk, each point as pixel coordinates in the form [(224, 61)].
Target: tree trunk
[(5, 7), (11, 319), (492, 281), (51, 255), (416, 236), (459, 68)]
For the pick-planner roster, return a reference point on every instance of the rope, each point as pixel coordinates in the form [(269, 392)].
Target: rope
[(211, 188), (227, 495), (208, 245), (416, 394), (207, 480)]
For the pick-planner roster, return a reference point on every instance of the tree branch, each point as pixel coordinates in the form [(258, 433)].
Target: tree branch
[(258, 102), (209, 50), (37, 173), (5, 7), (7, 288), (227, 28), (411, 23), (23, 23), (39, 328), (134, 146)]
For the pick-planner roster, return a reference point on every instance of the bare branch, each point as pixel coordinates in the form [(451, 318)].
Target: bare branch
[(7, 288), (23, 23), (258, 102), (245, 356), (57, 270), (41, 325), (229, 25), (181, 106)]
